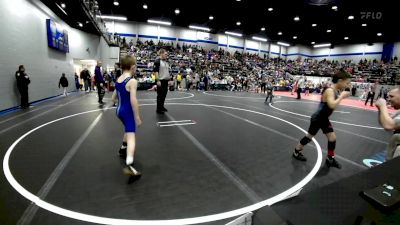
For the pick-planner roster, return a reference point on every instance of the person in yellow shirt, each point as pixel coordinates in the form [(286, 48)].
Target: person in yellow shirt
[(153, 81), (178, 80)]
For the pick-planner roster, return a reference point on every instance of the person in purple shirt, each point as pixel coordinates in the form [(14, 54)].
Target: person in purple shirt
[(98, 79)]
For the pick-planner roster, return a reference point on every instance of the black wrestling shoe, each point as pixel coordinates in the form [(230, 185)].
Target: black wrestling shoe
[(131, 171), (333, 163), (164, 110), (299, 156), (160, 112)]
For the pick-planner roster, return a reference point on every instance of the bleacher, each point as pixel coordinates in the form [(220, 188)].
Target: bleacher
[(246, 67)]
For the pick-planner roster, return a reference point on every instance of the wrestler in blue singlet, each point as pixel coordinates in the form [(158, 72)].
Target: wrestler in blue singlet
[(124, 110)]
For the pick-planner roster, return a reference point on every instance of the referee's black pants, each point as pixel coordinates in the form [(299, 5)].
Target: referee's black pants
[(299, 93), (161, 95)]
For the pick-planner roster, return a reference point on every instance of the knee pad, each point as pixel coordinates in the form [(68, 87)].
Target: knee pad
[(305, 140), (331, 145)]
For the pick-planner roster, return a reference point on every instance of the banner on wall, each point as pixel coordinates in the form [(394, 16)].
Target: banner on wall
[(57, 38), (387, 53)]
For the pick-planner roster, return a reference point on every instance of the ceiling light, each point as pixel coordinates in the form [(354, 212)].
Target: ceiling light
[(346, 38), (87, 21), (328, 31), (296, 18), (232, 33), (80, 24), (238, 0), (279, 33), (63, 5), (177, 11), (334, 7), (238, 23), (270, 9), (294, 37), (364, 24), (322, 45), (262, 28), (199, 28), (159, 22), (211, 17), (350, 17), (314, 25), (259, 38), (144, 6), (313, 42), (283, 44), (113, 17), (116, 2), (379, 34), (62, 10)]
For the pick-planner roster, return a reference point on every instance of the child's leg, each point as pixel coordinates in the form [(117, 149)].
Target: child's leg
[(331, 143), (303, 142), (330, 160), (122, 149), (299, 147), (312, 131), (131, 141), (130, 170)]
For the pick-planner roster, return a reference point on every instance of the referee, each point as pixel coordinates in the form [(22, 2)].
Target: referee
[(161, 72)]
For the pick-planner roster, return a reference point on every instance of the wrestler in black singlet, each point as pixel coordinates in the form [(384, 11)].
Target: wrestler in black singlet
[(320, 119)]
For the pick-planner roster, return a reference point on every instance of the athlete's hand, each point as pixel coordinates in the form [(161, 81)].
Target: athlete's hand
[(345, 94), (159, 83), (380, 103), (138, 121)]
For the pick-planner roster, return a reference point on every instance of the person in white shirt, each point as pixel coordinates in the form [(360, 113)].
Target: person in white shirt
[(300, 86)]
